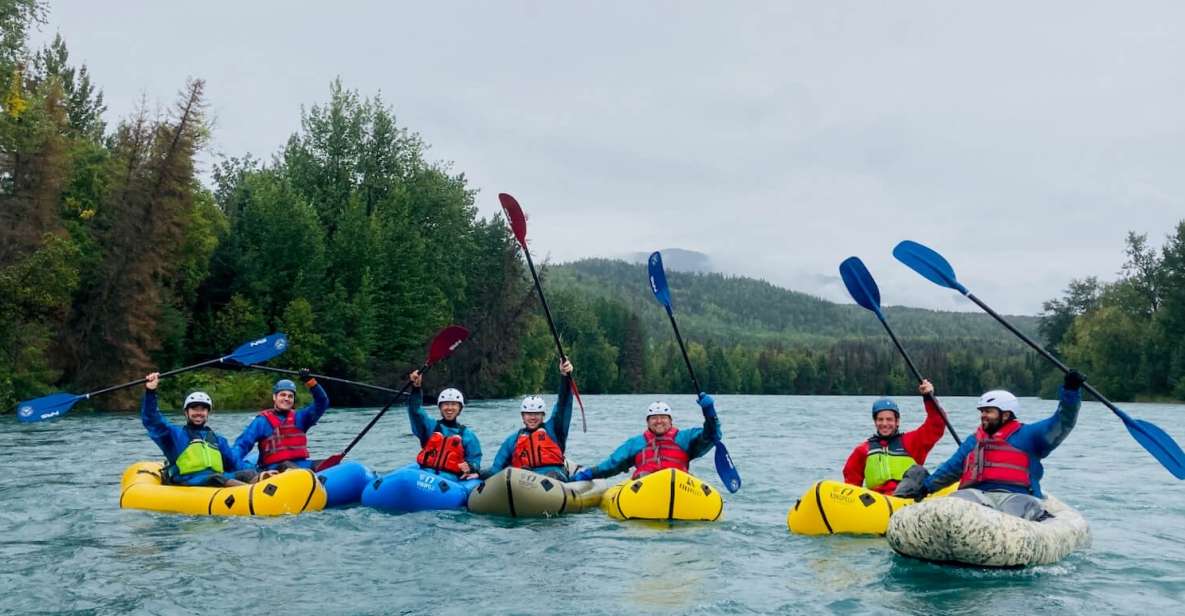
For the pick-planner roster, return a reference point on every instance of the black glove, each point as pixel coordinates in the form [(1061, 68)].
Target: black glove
[(913, 483), (304, 374), (1074, 379)]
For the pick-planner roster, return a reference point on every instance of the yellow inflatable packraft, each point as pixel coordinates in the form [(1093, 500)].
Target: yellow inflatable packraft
[(669, 494), (290, 492), (837, 508)]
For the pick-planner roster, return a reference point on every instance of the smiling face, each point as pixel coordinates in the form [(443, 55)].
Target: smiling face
[(532, 420), (450, 410), (283, 400), (197, 414), (991, 418), (887, 423), (659, 424)]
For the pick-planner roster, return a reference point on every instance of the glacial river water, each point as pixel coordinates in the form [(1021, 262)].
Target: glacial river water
[(66, 547)]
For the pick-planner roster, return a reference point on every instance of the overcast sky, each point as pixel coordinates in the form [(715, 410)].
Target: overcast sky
[(1021, 140)]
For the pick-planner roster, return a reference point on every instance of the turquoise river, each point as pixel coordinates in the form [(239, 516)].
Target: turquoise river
[(66, 547)]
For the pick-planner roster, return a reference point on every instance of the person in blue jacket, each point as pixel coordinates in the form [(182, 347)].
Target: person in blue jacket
[(196, 455), (539, 446), (445, 444), (280, 430), (1000, 465), (661, 445)]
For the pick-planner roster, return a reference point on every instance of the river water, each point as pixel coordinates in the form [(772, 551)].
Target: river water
[(65, 546)]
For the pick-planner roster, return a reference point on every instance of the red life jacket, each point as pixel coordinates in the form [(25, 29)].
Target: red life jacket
[(442, 453), (287, 442), (995, 461), (660, 452), (535, 449)]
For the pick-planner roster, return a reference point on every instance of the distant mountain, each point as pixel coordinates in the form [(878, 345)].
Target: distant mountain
[(678, 259)]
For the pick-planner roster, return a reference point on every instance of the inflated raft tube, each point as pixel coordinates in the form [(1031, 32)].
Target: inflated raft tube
[(958, 531), (344, 483), (412, 489), (837, 508), (521, 493), (668, 494), (290, 492)]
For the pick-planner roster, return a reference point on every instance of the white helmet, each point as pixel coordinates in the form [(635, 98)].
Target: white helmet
[(658, 408), (1000, 399), (451, 395), (198, 397), (534, 404)]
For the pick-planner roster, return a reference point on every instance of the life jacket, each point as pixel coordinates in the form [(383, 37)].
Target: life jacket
[(886, 463), (995, 461), (287, 442), (535, 449), (202, 453), (660, 452), (443, 453)]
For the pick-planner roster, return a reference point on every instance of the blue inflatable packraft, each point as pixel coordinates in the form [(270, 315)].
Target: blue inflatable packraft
[(413, 489), (344, 483)]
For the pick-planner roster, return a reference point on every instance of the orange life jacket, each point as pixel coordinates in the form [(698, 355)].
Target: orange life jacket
[(995, 461), (287, 442), (660, 452), (442, 453), (534, 449)]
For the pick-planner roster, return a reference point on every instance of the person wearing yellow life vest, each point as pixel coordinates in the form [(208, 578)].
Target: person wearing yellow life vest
[(539, 446), (280, 430), (196, 456), (445, 444), (879, 462)]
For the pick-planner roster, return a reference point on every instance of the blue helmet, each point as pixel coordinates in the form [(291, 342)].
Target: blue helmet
[(885, 404), (284, 385)]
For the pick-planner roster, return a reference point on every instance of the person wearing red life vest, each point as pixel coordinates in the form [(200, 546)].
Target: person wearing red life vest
[(446, 445), (661, 445), (539, 445), (280, 432), (1000, 465), (879, 462)]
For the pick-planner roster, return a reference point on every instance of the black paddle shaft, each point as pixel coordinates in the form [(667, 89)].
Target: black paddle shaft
[(918, 375), (683, 348), (1040, 349), (380, 414), (161, 375), (334, 379), (546, 310)]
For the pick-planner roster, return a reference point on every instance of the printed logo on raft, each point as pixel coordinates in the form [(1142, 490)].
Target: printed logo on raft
[(843, 495), (687, 486), (426, 481), (26, 411)]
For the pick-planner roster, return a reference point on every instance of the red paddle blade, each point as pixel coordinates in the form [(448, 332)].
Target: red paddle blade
[(329, 462), (514, 214), (580, 403), (446, 342)]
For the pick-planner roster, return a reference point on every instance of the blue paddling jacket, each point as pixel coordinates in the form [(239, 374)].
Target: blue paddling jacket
[(423, 425), (1037, 440), (306, 417), (556, 426), (173, 439), (694, 441)]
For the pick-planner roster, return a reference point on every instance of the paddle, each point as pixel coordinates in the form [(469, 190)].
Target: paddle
[(1151, 437), (518, 224), (56, 405), (443, 345), (322, 377), (863, 289), (658, 283)]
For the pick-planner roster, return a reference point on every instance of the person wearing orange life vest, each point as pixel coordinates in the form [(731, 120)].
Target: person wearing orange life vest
[(538, 445), (661, 445), (280, 432), (1000, 465), (881, 461), (445, 444)]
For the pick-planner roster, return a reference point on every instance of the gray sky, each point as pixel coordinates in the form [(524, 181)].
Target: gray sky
[(1021, 140)]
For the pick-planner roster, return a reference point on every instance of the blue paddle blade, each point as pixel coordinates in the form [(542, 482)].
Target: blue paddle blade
[(40, 409), (860, 284), (658, 280), (259, 351), (1157, 442), (726, 469), (929, 264)]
